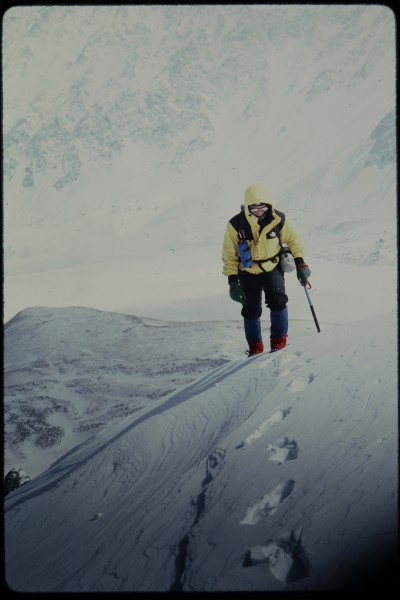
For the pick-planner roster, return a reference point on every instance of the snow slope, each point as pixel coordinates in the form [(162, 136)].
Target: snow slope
[(131, 133), (277, 472), (69, 371)]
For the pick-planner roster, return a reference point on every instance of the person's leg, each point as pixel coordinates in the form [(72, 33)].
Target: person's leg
[(279, 329), (252, 330), (251, 312), (276, 300)]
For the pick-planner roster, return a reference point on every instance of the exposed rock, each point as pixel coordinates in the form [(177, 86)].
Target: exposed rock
[(14, 479)]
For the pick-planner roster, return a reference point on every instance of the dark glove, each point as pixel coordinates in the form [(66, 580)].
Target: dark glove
[(236, 292), (303, 272)]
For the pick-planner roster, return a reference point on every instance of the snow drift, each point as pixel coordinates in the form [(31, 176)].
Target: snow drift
[(277, 472)]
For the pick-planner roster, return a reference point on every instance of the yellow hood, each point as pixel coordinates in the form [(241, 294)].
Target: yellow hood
[(257, 194)]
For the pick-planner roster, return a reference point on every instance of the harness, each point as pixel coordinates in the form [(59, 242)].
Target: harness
[(243, 228)]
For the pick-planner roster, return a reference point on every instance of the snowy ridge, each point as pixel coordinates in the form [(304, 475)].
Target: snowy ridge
[(69, 371), (160, 460), (185, 495)]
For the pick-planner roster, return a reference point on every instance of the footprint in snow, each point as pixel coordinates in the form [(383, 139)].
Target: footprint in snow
[(277, 417), (282, 450), (297, 385), (285, 557), (268, 503), (215, 462)]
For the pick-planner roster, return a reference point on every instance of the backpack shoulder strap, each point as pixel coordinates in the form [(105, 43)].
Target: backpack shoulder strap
[(278, 227), (242, 226)]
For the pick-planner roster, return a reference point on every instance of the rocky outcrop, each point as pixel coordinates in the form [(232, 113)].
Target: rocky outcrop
[(14, 479)]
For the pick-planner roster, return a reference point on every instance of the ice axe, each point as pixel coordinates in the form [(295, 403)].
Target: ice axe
[(311, 306)]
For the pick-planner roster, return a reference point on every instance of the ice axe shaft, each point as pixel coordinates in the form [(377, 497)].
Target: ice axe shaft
[(312, 309)]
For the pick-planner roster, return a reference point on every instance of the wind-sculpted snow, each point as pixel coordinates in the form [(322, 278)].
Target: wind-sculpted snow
[(84, 368), (189, 495)]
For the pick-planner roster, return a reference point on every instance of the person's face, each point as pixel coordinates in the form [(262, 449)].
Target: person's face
[(258, 209)]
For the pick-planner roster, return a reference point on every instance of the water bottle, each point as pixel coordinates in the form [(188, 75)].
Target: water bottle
[(245, 254), (287, 261)]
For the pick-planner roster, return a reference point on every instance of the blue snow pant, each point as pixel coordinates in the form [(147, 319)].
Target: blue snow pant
[(273, 285)]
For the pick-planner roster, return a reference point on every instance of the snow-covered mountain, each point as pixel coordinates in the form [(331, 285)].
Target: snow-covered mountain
[(68, 372), (131, 133), (160, 458), (277, 472)]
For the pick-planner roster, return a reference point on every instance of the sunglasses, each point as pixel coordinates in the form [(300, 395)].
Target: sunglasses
[(257, 207)]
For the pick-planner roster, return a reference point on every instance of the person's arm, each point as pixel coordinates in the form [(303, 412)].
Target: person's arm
[(230, 253), (230, 258), (290, 237)]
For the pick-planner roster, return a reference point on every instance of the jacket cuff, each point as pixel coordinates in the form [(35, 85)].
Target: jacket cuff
[(232, 279), (299, 260)]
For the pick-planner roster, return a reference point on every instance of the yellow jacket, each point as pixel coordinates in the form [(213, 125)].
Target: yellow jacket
[(261, 246)]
